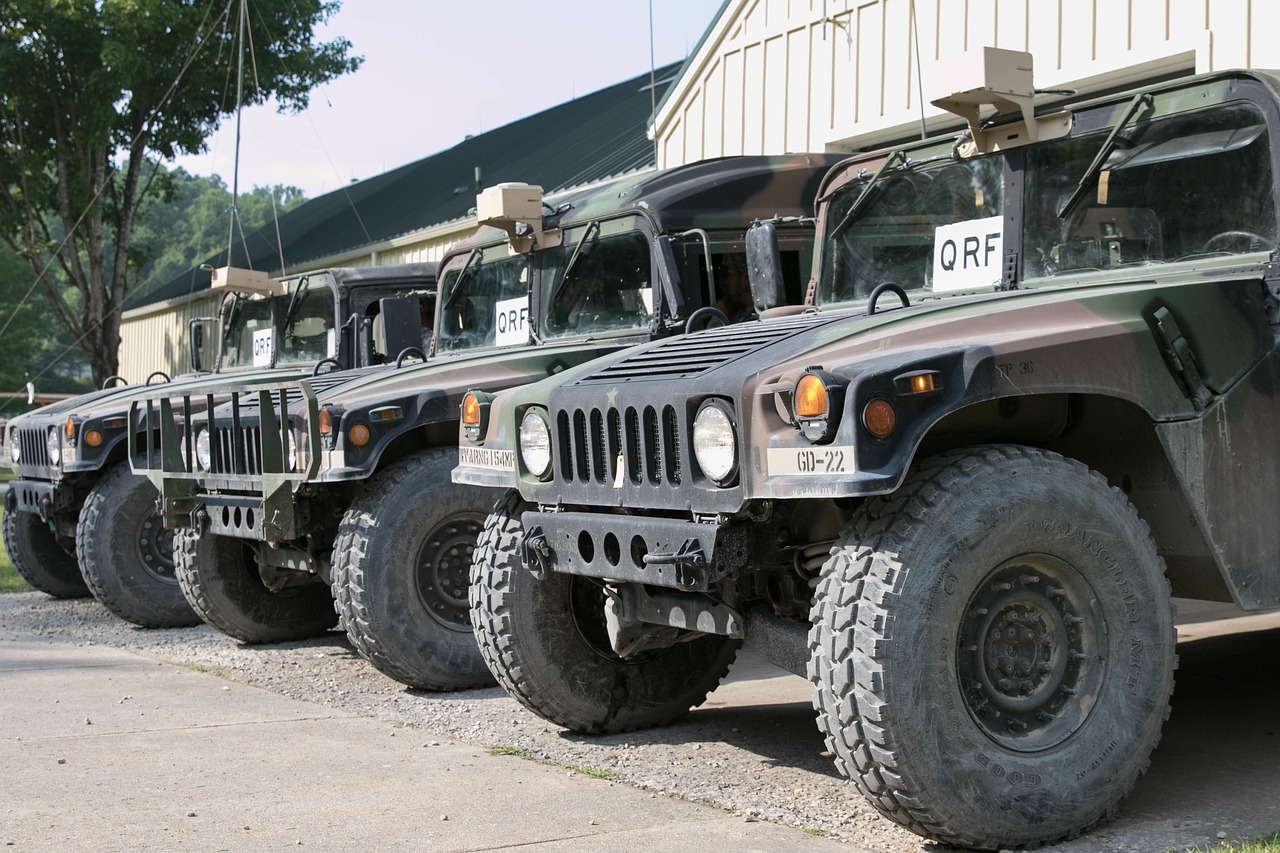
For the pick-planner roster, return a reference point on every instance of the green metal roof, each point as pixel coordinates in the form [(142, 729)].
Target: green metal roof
[(585, 140)]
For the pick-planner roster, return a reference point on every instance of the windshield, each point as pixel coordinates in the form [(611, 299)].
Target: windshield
[(255, 327), (1186, 186), (484, 302), (596, 286), (306, 327), (931, 229)]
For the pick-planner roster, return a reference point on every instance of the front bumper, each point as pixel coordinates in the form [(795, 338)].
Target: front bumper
[(666, 552)]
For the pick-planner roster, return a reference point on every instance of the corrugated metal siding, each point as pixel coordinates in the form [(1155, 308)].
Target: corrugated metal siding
[(157, 339), (775, 76)]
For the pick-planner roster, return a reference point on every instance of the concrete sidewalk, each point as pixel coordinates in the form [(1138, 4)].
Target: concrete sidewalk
[(101, 749)]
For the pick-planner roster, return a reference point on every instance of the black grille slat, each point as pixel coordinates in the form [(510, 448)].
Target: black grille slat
[(671, 445)]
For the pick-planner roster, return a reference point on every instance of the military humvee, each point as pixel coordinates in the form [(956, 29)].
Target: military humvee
[(347, 489), (76, 520), (1038, 389)]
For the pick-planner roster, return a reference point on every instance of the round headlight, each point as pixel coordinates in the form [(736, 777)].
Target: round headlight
[(535, 443), (15, 452), (714, 444), (53, 446), (204, 452)]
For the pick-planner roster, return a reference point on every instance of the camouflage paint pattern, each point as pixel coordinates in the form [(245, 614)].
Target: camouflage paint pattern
[(716, 200), (1165, 378), (58, 490)]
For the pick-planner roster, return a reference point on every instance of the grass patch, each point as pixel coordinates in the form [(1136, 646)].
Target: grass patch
[(607, 775), (816, 831), (1269, 844), (510, 750), (519, 752), (10, 580)]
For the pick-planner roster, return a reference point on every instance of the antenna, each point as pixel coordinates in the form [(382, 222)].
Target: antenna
[(235, 173), (915, 34), (653, 90)]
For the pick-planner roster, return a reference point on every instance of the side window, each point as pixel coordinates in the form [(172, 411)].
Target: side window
[(1178, 188)]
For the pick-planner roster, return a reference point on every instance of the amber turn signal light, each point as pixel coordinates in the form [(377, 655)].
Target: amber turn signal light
[(358, 435), (470, 411), (93, 438), (811, 397), (879, 418)]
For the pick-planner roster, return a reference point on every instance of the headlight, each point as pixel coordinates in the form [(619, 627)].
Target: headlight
[(535, 443), (291, 456), (715, 445), (15, 451), (204, 451), (53, 446)]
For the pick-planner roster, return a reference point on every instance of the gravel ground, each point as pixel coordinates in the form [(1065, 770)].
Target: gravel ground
[(764, 762)]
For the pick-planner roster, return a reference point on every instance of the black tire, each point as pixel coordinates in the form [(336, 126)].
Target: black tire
[(126, 554), (219, 576), (545, 642), (993, 649), (39, 559), (401, 568)]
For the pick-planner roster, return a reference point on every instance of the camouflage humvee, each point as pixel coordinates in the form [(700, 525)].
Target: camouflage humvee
[(1039, 388), (76, 520), (348, 489)]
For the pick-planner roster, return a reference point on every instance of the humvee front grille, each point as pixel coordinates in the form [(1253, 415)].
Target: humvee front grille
[(237, 451), (592, 444), (34, 450)]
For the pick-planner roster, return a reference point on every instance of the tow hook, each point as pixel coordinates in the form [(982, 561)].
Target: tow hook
[(689, 561), (535, 553)]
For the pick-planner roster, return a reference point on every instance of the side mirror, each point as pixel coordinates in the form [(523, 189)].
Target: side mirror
[(398, 325), (199, 333), (764, 267)]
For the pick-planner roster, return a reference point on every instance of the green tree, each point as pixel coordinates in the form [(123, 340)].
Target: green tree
[(87, 84), (32, 347), (171, 238)]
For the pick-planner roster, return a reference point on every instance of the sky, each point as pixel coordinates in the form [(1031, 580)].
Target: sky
[(436, 71)]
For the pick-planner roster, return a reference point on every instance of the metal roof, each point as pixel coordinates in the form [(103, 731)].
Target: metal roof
[(585, 140)]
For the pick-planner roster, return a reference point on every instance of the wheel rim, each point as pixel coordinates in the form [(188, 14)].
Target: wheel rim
[(155, 549), (1030, 656), (444, 568)]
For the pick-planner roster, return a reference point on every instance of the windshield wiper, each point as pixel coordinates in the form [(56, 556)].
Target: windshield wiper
[(860, 202), (593, 231), (295, 301), (1090, 176), (462, 275)]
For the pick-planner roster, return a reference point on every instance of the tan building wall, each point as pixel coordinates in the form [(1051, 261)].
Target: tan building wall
[(776, 76)]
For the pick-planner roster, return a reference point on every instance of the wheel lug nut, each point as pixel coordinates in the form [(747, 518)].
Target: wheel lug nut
[(1027, 580), (1003, 586), (978, 611), (1056, 591), (1015, 725), (1043, 716)]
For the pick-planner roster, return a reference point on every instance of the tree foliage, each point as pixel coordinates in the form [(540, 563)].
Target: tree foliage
[(89, 84), (171, 238), (32, 347)]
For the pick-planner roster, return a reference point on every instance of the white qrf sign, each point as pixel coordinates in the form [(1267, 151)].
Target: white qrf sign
[(511, 321), (264, 343), (968, 255)]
